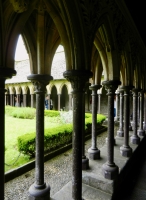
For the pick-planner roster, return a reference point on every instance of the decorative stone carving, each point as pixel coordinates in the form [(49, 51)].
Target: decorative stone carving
[(91, 12), (20, 5)]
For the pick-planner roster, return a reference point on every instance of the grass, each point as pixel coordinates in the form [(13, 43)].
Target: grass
[(15, 127)]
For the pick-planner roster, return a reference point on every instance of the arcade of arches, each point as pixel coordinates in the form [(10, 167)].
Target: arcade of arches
[(98, 37)]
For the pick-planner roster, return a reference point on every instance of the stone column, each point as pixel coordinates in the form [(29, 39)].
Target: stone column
[(134, 138), (85, 160), (4, 74), (141, 132), (109, 169), (70, 101), (12, 100), (125, 149), (117, 106), (120, 132), (6, 99), (49, 102), (24, 100), (59, 101), (93, 151), (18, 100), (32, 100), (39, 190), (144, 123), (130, 98), (78, 79), (99, 103)]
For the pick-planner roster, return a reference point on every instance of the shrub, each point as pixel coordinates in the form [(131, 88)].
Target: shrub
[(53, 138), (51, 113), (66, 117), (20, 112), (9, 109)]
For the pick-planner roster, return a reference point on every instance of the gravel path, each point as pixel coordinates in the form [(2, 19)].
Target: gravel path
[(58, 172)]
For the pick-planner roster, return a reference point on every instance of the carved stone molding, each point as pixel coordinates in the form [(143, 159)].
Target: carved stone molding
[(77, 78), (20, 5), (40, 82)]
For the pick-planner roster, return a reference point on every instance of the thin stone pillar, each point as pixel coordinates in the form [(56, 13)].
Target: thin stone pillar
[(59, 101), (130, 99), (49, 102), (99, 103), (70, 101), (117, 106), (120, 132), (18, 100), (78, 79), (85, 160), (109, 169), (24, 100), (4, 74), (93, 151), (32, 100), (39, 190), (134, 138), (12, 100), (125, 149), (141, 132), (144, 123), (6, 99)]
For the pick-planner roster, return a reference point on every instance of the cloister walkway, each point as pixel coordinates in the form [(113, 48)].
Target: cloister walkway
[(59, 169)]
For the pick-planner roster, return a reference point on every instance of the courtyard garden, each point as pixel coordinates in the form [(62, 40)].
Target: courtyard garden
[(20, 127)]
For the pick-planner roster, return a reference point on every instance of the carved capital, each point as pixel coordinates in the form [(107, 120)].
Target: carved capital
[(40, 82), (78, 79), (20, 5), (111, 86), (95, 87), (41, 7)]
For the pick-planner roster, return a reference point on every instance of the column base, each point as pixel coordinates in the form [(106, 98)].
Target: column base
[(94, 154), (39, 192), (120, 133), (141, 132), (126, 151), (85, 163), (110, 171), (135, 139)]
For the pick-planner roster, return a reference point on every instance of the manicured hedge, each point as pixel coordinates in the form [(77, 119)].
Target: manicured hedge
[(20, 112), (51, 113), (54, 137)]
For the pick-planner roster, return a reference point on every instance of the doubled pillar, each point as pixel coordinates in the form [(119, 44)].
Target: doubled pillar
[(93, 151), (39, 190), (120, 132), (78, 79), (126, 150), (134, 138), (109, 169), (141, 132)]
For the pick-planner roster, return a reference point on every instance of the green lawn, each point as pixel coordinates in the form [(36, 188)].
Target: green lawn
[(15, 127)]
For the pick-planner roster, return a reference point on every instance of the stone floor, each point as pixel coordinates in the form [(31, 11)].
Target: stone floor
[(58, 173)]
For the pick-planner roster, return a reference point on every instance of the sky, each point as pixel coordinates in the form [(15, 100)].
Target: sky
[(21, 53)]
